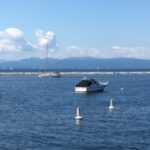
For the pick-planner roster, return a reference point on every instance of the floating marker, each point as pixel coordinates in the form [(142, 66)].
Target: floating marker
[(78, 117), (111, 107), (122, 89)]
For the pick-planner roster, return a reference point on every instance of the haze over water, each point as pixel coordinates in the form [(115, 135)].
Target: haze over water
[(38, 114)]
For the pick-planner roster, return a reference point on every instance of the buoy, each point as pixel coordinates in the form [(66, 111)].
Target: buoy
[(78, 117), (111, 107), (122, 89)]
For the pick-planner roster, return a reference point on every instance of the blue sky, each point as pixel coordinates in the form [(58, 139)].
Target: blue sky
[(75, 28)]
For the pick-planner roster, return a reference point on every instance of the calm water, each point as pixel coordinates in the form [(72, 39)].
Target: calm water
[(38, 114)]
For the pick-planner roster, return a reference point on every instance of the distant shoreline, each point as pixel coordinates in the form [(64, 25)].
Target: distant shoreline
[(76, 73)]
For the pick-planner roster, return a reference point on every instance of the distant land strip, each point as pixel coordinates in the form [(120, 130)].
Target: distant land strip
[(75, 73)]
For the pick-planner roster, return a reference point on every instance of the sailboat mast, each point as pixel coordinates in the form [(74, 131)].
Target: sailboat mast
[(46, 57)]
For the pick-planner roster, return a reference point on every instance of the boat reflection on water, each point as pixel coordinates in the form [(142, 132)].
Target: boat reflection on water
[(78, 122)]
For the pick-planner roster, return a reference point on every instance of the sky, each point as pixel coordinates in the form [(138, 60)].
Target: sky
[(74, 28)]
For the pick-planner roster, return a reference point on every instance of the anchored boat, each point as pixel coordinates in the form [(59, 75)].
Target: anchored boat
[(90, 85)]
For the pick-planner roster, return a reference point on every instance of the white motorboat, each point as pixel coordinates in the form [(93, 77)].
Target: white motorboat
[(90, 85)]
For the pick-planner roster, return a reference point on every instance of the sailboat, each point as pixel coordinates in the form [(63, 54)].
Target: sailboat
[(45, 73)]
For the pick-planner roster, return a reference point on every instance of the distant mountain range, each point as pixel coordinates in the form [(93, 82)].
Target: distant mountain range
[(76, 63)]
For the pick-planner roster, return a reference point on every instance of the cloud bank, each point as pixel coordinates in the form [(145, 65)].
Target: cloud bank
[(14, 45), (108, 52)]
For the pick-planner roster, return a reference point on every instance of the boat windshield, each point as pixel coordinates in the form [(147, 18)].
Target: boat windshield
[(84, 83), (93, 81)]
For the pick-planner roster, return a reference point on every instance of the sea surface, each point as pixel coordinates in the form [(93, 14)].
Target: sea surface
[(39, 114)]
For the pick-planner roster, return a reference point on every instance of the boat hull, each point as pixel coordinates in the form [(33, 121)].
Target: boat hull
[(55, 75), (89, 89), (44, 75)]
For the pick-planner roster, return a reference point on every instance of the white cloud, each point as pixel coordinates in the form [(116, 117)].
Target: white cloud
[(14, 33), (12, 40), (45, 38), (74, 51)]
